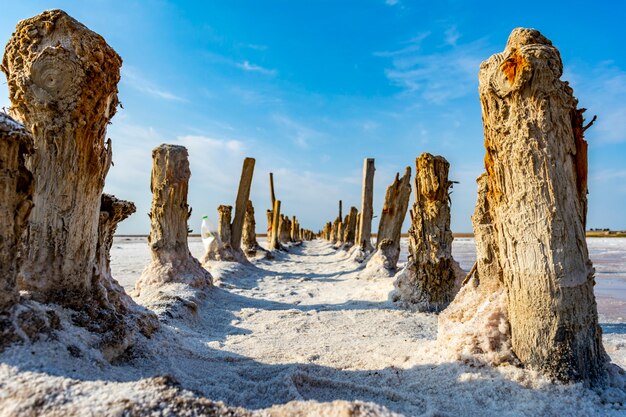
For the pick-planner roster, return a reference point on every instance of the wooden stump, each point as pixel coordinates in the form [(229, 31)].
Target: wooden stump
[(171, 260), (390, 225), (243, 197), (536, 164), (428, 281), (274, 243), (221, 248), (349, 232), (65, 93), (251, 247), (476, 325), (364, 233), (16, 188)]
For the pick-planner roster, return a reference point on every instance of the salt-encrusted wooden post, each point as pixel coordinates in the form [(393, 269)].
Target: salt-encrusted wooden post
[(367, 211), (243, 196), (62, 80), (428, 281), (222, 250), (250, 245), (117, 309), (171, 259), (16, 193), (357, 234), (350, 227), (390, 225), (274, 244), (270, 216), (536, 177)]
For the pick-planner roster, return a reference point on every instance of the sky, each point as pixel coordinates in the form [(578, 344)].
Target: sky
[(311, 88)]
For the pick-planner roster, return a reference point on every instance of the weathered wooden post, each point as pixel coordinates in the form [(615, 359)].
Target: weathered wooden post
[(536, 182), (367, 211), (428, 281), (16, 202), (390, 225), (274, 243), (243, 196), (270, 214), (250, 245), (171, 259), (222, 250), (349, 232), (65, 93)]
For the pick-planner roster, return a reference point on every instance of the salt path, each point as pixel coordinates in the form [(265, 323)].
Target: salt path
[(303, 327)]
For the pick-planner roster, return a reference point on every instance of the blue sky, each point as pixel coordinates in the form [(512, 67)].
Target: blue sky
[(310, 88)]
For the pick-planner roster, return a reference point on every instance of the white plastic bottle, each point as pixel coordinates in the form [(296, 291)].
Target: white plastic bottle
[(207, 234)]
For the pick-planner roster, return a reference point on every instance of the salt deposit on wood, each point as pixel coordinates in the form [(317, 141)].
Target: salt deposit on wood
[(221, 248), (251, 247), (428, 280), (349, 232), (62, 81), (385, 258), (63, 84), (274, 243), (171, 260), (16, 188), (536, 185)]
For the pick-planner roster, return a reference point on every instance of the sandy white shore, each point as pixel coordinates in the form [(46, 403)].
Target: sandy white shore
[(304, 327)]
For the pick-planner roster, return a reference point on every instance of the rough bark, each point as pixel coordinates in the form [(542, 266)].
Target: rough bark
[(334, 231), (536, 163), (274, 243), (390, 226), (284, 226), (250, 245), (349, 232), (62, 81), (171, 260), (16, 188), (475, 326), (16, 202), (116, 313), (221, 249), (270, 216), (428, 281), (243, 196), (364, 233)]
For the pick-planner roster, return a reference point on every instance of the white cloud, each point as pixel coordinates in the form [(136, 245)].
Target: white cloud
[(413, 45), (448, 73), (133, 79), (452, 35), (602, 90), (300, 134), (247, 66)]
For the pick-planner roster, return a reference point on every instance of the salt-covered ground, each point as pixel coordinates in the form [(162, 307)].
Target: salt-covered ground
[(306, 326)]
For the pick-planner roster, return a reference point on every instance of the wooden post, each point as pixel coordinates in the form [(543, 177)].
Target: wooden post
[(16, 188), (171, 259), (390, 225), (340, 214), (243, 195), (65, 94), (349, 232), (367, 211), (536, 199), (272, 195), (274, 244), (428, 282)]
